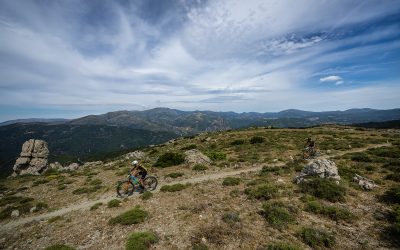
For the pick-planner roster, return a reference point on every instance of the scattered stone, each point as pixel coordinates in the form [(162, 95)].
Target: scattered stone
[(56, 165), (72, 167), (328, 151), (33, 158), (275, 160), (364, 183), (195, 156), (33, 209), (139, 155), (15, 213), (322, 168)]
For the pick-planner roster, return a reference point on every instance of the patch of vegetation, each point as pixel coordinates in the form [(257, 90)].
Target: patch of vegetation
[(175, 175), (189, 147), (297, 165), (173, 188), (230, 217), (169, 159), (361, 157), (113, 203), (238, 142), (282, 246), (20, 203), (96, 206), (141, 240), (54, 219), (278, 214), (263, 192), (231, 181), (393, 177), (323, 188), (392, 195), (199, 246), (133, 216), (216, 155), (317, 238), (199, 167), (39, 182), (257, 139), (332, 212), (146, 195), (95, 182), (40, 206), (59, 247), (348, 172), (389, 152), (392, 232)]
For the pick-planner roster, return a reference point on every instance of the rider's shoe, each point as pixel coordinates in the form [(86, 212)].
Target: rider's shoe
[(141, 190)]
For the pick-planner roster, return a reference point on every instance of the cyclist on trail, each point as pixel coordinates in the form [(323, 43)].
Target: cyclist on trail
[(310, 145), (139, 171)]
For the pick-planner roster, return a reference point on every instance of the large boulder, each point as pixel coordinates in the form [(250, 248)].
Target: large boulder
[(322, 168), (364, 183), (33, 158), (195, 156)]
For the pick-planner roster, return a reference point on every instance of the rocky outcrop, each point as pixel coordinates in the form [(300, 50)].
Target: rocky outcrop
[(322, 168), (364, 183), (33, 158), (195, 156), (138, 155)]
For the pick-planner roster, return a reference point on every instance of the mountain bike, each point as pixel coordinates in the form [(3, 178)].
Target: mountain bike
[(126, 188)]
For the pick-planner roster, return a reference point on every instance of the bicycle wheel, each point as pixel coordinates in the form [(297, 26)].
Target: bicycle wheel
[(150, 183), (125, 188)]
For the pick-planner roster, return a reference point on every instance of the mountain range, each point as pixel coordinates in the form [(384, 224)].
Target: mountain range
[(93, 135)]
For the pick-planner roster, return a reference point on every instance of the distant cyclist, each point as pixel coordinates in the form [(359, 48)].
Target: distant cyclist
[(139, 171), (310, 146)]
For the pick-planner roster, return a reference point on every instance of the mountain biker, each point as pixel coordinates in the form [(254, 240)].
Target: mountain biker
[(310, 145), (139, 171)]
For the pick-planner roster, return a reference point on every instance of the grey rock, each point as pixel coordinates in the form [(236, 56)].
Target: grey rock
[(322, 168), (15, 213), (72, 167), (195, 156), (364, 183), (139, 155), (33, 158)]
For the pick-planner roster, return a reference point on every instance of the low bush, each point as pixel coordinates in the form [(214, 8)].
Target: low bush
[(317, 238), (389, 152), (392, 195), (230, 217), (348, 172), (54, 219), (199, 167), (199, 246), (393, 177), (282, 246), (392, 232), (40, 206), (169, 159), (332, 212), (141, 240), (175, 175), (238, 142), (39, 182), (96, 206), (173, 188), (95, 182), (113, 203), (361, 157), (216, 155), (257, 139), (191, 146), (262, 192), (231, 181), (59, 247), (133, 216), (324, 189), (146, 195), (278, 214)]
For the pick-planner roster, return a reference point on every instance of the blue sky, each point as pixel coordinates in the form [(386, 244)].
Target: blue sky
[(72, 58)]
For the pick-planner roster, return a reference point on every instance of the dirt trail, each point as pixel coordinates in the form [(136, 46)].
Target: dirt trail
[(214, 176)]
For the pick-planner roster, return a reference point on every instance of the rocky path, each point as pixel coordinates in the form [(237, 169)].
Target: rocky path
[(215, 176)]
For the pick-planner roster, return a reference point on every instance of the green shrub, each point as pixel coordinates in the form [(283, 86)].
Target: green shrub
[(173, 188), (133, 216), (175, 175), (54, 219), (347, 173), (230, 217), (257, 139), (199, 246), (361, 157), (231, 181), (40, 181), (199, 167), (96, 182), (317, 238), (238, 142), (141, 240), (113, 203), (324, 189), (96, 206), (392, 195), (189, 147), (262, 192), (169, 159), (332, 212), (393, 177), (278, 214), (389, 152), (40, 206), (59, 247), (216, 155), (392, 232), (282, 246), (146, 195)]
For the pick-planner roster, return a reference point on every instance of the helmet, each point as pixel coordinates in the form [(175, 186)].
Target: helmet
[(135, 162)]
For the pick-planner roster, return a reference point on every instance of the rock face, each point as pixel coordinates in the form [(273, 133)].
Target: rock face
[(33, 158), (138, 155), (364, 183), (194, 156), (322, 168)]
